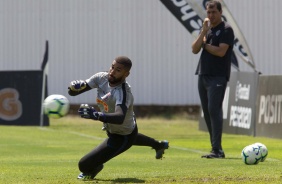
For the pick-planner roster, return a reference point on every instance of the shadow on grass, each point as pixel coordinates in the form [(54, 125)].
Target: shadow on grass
[(124, 180)]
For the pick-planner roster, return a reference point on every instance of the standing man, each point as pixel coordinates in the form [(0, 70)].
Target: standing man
[(216, 40), (115, 101)]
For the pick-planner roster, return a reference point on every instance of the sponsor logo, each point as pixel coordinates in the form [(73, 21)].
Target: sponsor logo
[(240, 117), (270, 109), (10, 106), (103, 104), (242, 91)]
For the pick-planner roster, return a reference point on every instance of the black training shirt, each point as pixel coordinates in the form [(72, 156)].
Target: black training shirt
[(214, 65)]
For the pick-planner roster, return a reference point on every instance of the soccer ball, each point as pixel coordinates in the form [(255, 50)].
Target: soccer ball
[(251, 155), (56, 106), (263, 151)]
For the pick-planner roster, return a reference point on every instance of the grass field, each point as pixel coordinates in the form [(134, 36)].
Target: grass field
[(50, 155)]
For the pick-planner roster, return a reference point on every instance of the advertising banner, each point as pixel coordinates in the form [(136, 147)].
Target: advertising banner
[(269, 107), (21, 98), (242, 103)]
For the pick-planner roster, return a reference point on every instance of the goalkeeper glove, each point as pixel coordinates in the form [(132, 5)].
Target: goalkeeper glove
[(77, 85), (89, 112)]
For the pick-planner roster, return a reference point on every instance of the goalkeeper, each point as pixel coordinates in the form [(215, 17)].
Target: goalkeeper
[(115, 101)]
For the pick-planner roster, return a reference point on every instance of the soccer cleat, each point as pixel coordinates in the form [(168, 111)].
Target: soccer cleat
[(215, 154), (83, 176), (160, 151), (91, 176)]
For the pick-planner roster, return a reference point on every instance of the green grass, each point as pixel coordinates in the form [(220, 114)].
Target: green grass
[(50, 155)]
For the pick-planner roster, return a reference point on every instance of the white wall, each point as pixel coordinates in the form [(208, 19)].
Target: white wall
[(86, 35)]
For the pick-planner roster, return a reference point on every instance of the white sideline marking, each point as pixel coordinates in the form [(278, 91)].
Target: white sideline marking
[(45, 129), (72, 132), (86, 135), (174, 147), (187, 149)]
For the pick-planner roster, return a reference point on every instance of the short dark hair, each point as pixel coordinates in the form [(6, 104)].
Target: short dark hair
[(125, 61), (213, 3)]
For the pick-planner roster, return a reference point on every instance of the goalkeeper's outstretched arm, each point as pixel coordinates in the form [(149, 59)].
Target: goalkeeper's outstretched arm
[(77, 87)]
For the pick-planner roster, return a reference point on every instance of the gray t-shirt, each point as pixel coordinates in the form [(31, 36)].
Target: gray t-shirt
[(109, 97)]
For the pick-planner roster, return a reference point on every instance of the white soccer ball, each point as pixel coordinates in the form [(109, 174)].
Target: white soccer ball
[(251, 155), (263, 150), (56, 106)]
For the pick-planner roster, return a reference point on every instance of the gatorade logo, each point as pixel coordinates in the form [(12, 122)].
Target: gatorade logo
[(10, 106), (242, 91)]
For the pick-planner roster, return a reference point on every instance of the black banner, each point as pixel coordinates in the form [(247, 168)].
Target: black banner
[(269, 107), (241, 117), (21, 98)]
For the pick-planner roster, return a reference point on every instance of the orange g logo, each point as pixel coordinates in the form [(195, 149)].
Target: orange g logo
[(10, 106), (105, 105)]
